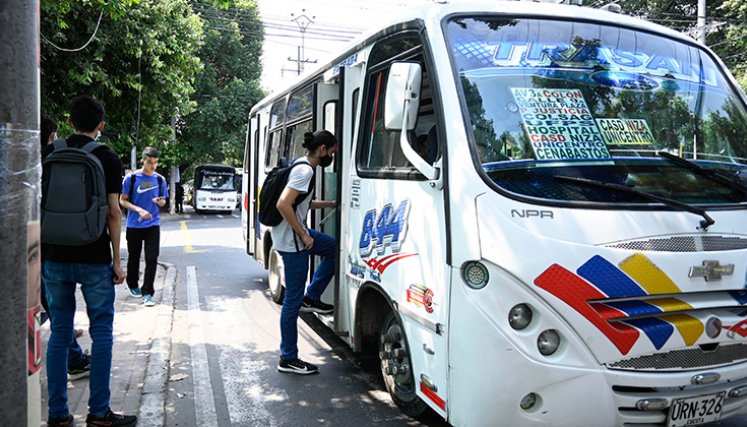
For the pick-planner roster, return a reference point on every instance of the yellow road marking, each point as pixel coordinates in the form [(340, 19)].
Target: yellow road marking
[(188, 248)]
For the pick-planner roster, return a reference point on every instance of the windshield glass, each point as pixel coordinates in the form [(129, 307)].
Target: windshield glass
[(553, 98), (216, 180)]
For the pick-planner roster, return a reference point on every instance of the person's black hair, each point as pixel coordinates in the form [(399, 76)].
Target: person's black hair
[(312, 141), (150, 152), (86, 113), (48, 127)]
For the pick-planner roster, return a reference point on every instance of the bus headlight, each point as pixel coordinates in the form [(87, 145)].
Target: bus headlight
[(475, 274), (520, 316), (548, 342)]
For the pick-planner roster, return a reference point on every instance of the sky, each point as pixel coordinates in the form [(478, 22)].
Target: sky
[(330, 25)]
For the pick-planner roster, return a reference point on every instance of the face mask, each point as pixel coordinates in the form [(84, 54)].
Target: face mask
[(326, 161), (98, 135)]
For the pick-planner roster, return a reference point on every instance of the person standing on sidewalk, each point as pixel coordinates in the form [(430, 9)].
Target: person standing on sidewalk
[(295, 242), (97, 267), (144, 193), (78, 362)]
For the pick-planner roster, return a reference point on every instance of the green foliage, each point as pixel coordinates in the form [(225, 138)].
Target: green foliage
[(226, 89), (144, 64)]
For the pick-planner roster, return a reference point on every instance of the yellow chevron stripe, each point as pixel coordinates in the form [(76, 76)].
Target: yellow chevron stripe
[(690, 328), (670, 304), (648, 275)]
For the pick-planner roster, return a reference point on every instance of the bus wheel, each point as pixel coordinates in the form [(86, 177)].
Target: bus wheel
[(396, 368), (276, 279)]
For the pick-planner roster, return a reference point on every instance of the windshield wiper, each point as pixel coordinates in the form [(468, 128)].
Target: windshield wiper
[(706, 222), (708, 173)]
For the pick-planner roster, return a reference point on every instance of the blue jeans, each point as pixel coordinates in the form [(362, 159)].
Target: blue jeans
[(296, 271), (97, 286), (74, 352)]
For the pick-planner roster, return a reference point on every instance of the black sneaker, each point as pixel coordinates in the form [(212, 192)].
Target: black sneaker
[(111, 420), (297, 366), (80, 370), (62, 422), (311, 306)]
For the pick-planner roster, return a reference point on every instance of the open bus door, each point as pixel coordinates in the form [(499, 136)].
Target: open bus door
[(326, 105)]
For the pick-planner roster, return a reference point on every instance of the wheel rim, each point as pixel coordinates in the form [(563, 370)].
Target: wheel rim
[(395, 363)]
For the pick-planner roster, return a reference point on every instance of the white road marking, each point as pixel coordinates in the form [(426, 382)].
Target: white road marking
[(244, 376), (204, 403)]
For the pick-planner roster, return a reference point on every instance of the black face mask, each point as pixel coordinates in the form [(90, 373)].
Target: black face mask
[(326, 161)]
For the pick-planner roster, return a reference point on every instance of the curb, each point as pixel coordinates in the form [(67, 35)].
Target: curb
[(152, 410)]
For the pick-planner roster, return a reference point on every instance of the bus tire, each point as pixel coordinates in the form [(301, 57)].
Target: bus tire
[(276, 277), (396, 368)]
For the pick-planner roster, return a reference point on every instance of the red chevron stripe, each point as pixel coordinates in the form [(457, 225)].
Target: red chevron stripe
[(575, 292)]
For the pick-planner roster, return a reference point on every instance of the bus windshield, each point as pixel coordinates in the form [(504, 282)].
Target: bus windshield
[(549, 100), (215, 178)]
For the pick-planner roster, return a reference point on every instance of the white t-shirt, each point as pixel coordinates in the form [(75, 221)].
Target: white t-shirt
[(282, 234)]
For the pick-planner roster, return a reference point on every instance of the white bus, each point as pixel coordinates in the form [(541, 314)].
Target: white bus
[(214, 188), (542, 214)]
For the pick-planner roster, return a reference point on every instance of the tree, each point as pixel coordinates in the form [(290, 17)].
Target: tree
[(141, 65), (215, 132)]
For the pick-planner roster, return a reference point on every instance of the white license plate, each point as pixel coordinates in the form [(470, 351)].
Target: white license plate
[(696, 410)]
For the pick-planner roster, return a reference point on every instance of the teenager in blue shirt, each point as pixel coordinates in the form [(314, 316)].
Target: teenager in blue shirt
[(144, 193)]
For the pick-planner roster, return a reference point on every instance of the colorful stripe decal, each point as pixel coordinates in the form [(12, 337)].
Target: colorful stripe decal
[(430, 394), (670, 304), (635, 308), (575, 292), (648, 275), (689, 327), (740, 296), (657, 330), (609, 279)]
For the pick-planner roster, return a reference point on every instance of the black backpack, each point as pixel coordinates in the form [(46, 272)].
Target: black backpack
[(74, 206), (132, 186), (270, 194)]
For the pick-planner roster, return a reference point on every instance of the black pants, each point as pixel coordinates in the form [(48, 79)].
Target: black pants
[(151, 237)]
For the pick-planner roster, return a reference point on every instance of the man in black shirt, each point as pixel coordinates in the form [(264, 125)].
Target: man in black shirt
[(94, 267)]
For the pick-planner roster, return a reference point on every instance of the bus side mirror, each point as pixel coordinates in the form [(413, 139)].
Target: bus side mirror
[(402, 95)]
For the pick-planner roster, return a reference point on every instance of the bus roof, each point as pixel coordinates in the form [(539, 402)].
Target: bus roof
[(431, 14)]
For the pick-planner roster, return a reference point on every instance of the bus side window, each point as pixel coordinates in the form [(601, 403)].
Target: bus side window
[(294, 136), (380, 153)]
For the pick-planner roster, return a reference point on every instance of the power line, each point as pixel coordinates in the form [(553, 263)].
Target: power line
[(95, 30)]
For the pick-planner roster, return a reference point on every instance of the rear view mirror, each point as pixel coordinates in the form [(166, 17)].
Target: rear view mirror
[(402, 95)]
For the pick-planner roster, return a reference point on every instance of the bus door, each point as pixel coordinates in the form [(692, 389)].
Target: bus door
[(398, 239), (249, 185), (325, 220)]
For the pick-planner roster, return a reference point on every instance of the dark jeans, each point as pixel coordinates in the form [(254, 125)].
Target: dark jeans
[(136, 237)]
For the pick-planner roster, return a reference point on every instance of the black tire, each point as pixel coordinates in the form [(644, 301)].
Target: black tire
[(394, 354), (276, 277)]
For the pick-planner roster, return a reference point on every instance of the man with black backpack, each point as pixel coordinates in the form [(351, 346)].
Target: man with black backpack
[(81, 227), (295, 242), (144, 193)]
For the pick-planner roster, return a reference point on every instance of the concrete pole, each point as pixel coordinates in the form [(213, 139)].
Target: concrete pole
[(20, 173), (701, 23)]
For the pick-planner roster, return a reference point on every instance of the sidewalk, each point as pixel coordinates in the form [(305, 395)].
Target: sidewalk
[(140, 359)]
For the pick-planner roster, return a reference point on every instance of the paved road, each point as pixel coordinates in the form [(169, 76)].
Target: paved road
[(225, 344)]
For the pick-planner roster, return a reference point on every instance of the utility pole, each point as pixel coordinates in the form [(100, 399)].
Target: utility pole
[(174, 171), (701, 23), (303, 23), (20, 183)]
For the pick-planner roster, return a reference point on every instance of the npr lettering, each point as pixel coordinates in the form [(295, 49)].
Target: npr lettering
[(531, 213)]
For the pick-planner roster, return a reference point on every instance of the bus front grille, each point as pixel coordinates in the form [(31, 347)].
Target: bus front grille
[(694, 243), (692, 358)]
